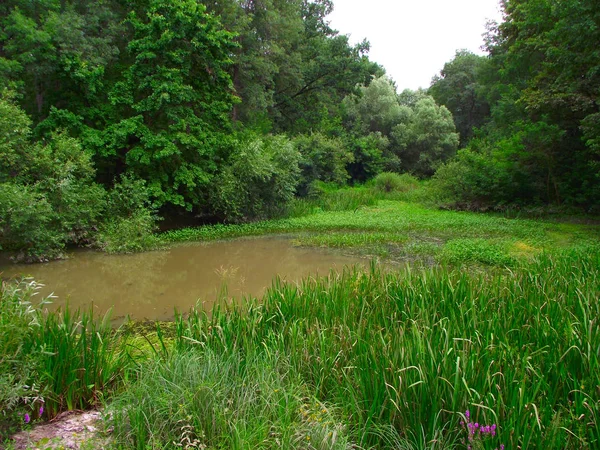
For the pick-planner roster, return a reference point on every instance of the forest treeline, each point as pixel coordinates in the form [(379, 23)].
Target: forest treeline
[(115, 111)]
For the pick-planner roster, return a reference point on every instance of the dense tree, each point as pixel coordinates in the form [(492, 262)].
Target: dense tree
[(425, 137), (375, 108), (542, 82), (459, 88), (322, 159), (259, 179), (175, 97), (414, 133)]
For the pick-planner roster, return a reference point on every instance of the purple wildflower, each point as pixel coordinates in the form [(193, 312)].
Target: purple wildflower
[(27, 418), (467, 414), (41, 410)]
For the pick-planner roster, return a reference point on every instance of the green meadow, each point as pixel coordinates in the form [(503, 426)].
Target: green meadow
[(492, 315)]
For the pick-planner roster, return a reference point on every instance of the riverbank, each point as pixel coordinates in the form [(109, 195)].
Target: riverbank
[(406, 231), (363, 358)]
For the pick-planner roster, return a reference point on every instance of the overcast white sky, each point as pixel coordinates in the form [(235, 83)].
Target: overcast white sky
[(413, 39)]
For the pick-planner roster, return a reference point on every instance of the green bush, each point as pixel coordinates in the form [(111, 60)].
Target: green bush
[(129, 234), (48, 197), (127, 197), (323, 159), (131, 219), (470, 181), (389, 182), (259, 181), (27, 224)]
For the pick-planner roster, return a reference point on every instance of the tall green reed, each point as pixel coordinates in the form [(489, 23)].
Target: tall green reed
[(409, 351), (68, 359)]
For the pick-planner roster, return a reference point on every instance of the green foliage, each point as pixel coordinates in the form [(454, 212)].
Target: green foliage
[(91, 360), (425, 138), (26, 223), (211, 399), (259, 179), (127, 197), (392, 182), (403, 355), (48, 194), (131, 233), (539, 83), (177, 93), (18, 362), (131, 219), (459, 88), (376, 108), (406, 132), (519, 168), (323, 159), (371, 156), (15, 129), (58, 360), (470, 181)]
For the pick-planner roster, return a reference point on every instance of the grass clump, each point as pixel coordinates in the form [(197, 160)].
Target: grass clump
[(482, 251), (204, 399), (388, 182), (51, 362)]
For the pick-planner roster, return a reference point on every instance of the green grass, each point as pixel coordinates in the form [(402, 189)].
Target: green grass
[(415, 231), (227, 400), (394, 358), (383, 358), (62, 361)]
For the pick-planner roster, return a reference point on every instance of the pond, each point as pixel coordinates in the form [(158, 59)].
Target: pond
[(151, 285)]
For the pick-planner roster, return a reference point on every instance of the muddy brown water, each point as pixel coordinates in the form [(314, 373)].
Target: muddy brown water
[(152, 285)]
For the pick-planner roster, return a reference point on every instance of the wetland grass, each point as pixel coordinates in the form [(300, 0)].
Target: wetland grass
[(401, 356), (359, 359), (52, 362)]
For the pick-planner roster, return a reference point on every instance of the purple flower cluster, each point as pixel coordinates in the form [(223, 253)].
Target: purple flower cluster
[(482, 429), (477, 431), (27, 417)]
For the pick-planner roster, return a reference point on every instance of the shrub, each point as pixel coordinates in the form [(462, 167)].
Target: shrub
[(48, 196), (27, 224), (129, 234), (392, 182), (471, 180), (259, 180), (127, 197), (323, 159)]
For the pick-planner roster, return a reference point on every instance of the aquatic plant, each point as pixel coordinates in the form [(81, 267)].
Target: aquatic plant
[(396, 352)]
